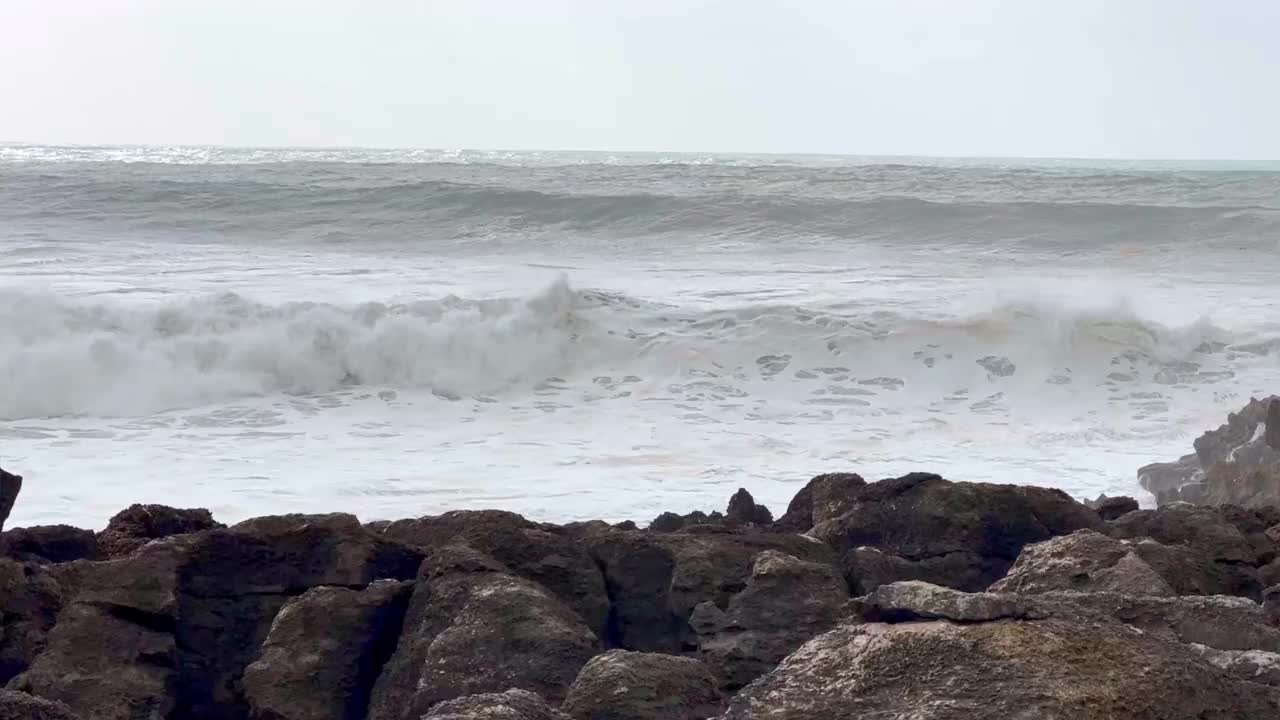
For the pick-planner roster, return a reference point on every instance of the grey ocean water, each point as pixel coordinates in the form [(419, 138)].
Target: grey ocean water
[(571, 335)]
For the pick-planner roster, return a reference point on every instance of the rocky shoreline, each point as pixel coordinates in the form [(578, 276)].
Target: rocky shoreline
[(911, 597)]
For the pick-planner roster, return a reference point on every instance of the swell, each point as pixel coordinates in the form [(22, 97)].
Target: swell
[(72, 357)]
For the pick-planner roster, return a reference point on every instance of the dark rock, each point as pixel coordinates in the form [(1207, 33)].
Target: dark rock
[(1241, 428), (913, 600), (1057, 667), (922, 517), (1272, 433), (626, 525), (509, 705), (1190, 571), (1271, 605), (30, 599), (671, 522), (1085, 561), (10, 486), (622, 685), (553, 557), (867, 568), (1253, 665), (1114, 507), (324, 652), (137, 525), (744, 510), (1166, 480), (472, 627), (823, 498), (786, 602), (21, 706), (48, 544), (1202, 528)]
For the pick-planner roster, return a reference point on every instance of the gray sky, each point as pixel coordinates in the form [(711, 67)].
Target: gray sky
[(1078, 78)]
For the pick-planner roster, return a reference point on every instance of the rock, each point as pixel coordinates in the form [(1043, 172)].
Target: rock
[(1271, 605), (473, 627), (1010, 668), (823, 498), (21, 706), (623, 685), (1252, 665), (1114, 507), (510, 705), (30, 599), (926, 518), (786, 602), (744, 510), (1189, 571), (1201, 528), (48, 544), (912, 600), (10, 486), (324, 652), (553, 557), (1222, 445), (867, 568), (1272, 433), (656, 580), (1166, 480), (671, 522), (1085, 560), (137, 525)]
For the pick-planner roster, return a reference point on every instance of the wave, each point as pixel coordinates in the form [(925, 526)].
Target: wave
[(66, 357)]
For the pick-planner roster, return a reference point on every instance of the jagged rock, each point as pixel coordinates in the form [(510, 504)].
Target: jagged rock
[(473, 627), (30, 599), (671, 522), (137, 525), (656, 580), (786, 602), (10, 486), (1202, 528), (1010, 668), (1190, 571), (21, 706), (744, 510), (867, 568), (324, 652), (915, 600), (1166, 480), (1252, 665), (623, 685), (510, 705), (1110, 508), (1271, 605), (548, 555), (1085, 560), (48, 544), (923, 517), (1272, 433), (823, 498)]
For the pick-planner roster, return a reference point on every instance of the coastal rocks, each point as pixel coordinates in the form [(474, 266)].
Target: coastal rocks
[(1252, 665), (510, 705), (21, 706), (622, 685), (10, 486), (137, 525), (1110, 508), (823, 498), (925, 519), (913, 600), (472, 627), (30, 599), (324, 651), (743, 510), (1085, 561), (48, 544), (786, 602)]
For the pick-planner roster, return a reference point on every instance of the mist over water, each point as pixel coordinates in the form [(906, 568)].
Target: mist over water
[(590, 335)]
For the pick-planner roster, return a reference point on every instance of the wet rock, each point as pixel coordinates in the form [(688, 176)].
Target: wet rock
[(744, 510), (324, 652), (553, 557), (10, 486), (923, 517), (1085, 560), (30, 599), (1202, 528), (1272, 433), (823, 498), (21, 706), (671, 522), (137, 525), (1252, 665), (1190, 571), (48, 544), (867, 568), (914, 600), (1166, 480), (786, 602), (623, 685), (1110, 508), (1271, 605), (473, 627), (509, 705)]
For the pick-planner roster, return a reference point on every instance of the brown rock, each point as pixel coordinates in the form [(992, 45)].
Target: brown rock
[(622, 685), (913, 600), (21, 706), (324, 652), (1085, 560), (30, 599), (744, 510), (48, 544), (867, 568), (1114, 507), (510, 705), (823, 498), (10, 486), (1253, 665), (1272, 434), (137, 525)]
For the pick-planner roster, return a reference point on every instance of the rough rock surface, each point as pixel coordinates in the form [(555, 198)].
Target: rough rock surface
[(137, 525), (1110, 508), (1254, 665), (786, 602), (10, 486), (915, 600), (324, 652), (823, 498), (473, 627), (510, 705), (30, 599), (21, 706), (624, 685), (743, 510), (1085, 560), (48, 544)]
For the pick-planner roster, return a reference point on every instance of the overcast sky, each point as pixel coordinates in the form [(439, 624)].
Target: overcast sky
[(1070, 78)]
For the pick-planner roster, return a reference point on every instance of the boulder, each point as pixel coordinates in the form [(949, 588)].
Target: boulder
[(922, 517), (913, 600), (1252, 665), (1188, 571), (474, 627), (671, 522), (1110, 508), (1272, 433), (30, 599), (510, 705), (867, 568), (48, 544), (1085, 560), (1204, 529), (21, 706), (823, 498), (743, 510), (324, 652), (1271, 605), (623, 685), (786, 602), (553, 557), (137, 525), (10, 486)]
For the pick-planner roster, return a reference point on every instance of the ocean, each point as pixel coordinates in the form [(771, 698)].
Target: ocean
[(591, 335)]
